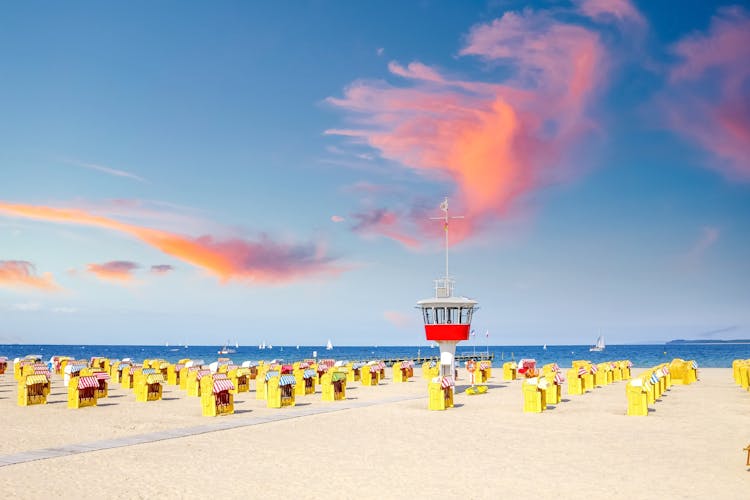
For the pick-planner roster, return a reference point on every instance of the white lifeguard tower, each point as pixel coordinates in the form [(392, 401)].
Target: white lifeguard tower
[(447, 318)]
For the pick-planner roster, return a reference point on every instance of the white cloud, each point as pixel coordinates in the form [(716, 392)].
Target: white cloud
[(25, 306), (64, 310)]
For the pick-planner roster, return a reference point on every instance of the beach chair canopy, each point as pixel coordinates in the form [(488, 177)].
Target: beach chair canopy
[(73, 368), (249, 364), (271, 374), (287, 380), (446, 382), (309, 374), (213, 367), (202, 373), (154, 378), (222, 385), (36, 379), (88, 382), (220, 376), (101, 376), (148, 371), (525, 364), (337, 376)]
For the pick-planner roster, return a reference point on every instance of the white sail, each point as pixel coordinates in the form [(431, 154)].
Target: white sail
[(329, 346), (599, 346)]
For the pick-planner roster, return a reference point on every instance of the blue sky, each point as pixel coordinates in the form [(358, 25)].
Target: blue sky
[(191, 173)]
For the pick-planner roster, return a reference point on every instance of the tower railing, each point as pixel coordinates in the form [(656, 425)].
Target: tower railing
[(444, 288)]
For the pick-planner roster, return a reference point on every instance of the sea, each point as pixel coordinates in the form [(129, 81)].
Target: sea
[(706, 355)]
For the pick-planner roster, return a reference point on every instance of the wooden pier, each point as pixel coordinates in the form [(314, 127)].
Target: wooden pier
[(460, 358)]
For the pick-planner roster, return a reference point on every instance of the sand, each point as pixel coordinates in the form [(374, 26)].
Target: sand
[(383, 443)]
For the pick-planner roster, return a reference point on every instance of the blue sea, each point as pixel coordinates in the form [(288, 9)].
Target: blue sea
[(707, 355)]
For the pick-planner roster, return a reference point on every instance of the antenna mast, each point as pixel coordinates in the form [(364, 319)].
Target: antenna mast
[(445, 218)]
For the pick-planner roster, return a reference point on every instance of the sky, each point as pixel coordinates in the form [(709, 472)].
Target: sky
[(192, 172)]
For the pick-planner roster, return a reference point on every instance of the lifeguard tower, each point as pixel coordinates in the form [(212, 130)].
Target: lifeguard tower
[(447, 318)]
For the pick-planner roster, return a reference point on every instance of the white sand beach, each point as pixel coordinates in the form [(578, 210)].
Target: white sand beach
[(384, 442)]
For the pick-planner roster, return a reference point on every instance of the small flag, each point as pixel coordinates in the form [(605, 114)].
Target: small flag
[(487, 334), (445, 226), (444, 205)]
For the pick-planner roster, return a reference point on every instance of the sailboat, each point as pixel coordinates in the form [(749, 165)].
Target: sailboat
[(262, 345), (329, 346), (544, 347), (226, 349), (599, 346)]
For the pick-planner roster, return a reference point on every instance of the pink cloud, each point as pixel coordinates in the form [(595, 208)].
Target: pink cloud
[(22, 274), (161, 268), (495, 142), (416, 71), (260, 261), (707, 99), (337, 218), (399, 319), (622, 11), (383, 223), (116, 270)]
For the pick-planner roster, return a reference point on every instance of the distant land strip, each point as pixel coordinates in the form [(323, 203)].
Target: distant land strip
[(709, 341)]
